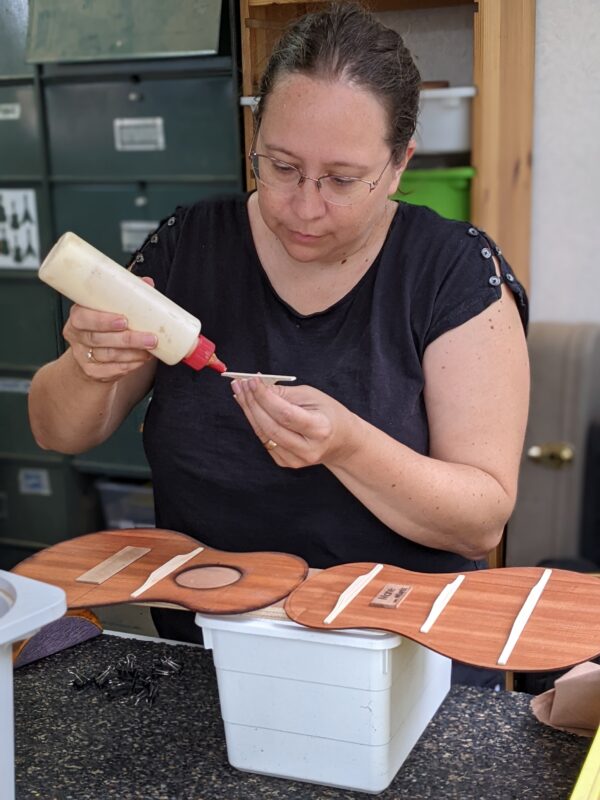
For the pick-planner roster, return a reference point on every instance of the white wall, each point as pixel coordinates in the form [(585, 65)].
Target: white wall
[(440, 40), (565, 242), (565, 236)]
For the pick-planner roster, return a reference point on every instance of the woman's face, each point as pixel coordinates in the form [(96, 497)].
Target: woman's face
[(324, 127)]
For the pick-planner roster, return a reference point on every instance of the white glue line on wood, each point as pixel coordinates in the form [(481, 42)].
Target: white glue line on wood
[(113, 564), (348, 595), (166, 569), (523, 616), (440, 603)]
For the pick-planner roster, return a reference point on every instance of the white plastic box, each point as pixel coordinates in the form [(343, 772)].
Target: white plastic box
[(25, 606), (340, 708), (445, 120), (126, 505)]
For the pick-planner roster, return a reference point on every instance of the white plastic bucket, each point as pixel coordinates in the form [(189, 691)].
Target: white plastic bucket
[(25, 606), (445, 120)]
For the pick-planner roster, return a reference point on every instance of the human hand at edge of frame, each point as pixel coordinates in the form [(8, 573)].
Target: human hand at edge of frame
[(103, 346), (299, 426)]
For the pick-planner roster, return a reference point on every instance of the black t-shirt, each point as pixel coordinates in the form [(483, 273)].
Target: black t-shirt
[(212, 477)]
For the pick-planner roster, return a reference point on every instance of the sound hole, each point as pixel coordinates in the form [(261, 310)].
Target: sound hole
[(208, 577)]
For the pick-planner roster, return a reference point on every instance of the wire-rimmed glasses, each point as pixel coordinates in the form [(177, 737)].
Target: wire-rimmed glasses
[(339, 190)]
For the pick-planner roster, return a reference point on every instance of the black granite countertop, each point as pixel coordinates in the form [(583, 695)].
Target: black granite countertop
[(77, 745)]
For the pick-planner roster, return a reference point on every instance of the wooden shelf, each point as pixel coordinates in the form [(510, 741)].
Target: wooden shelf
[(502, 120)]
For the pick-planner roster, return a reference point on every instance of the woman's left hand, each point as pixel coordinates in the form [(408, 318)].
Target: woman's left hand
[(298, 425)]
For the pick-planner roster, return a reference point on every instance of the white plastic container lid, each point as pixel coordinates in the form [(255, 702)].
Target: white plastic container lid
[(286, 629), (450, 92), (26, 605)]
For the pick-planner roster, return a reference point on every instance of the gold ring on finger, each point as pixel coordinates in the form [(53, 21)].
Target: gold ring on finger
[(269, 444), (90, 355)]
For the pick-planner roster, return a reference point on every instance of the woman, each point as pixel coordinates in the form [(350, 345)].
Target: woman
[(401, 441)]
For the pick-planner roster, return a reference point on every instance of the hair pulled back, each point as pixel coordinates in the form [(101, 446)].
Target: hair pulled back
[(344, 41)]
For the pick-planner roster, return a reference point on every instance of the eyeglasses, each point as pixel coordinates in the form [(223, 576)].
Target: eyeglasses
[(339, 190)]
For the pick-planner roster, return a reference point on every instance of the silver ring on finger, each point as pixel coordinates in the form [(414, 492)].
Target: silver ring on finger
[(90, 356)]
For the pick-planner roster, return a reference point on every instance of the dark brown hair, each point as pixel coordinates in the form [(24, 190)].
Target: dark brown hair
[(345, 41)]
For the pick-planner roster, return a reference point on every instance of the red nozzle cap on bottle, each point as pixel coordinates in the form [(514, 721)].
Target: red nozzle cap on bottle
[(203, 355)]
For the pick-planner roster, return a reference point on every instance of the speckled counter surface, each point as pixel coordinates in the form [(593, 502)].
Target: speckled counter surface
[(76, 745)]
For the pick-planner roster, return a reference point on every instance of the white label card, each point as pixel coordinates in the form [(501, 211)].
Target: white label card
[(134, 233), (15, 385), (10, 111), (19, 229), (139, 133), (34, 481)]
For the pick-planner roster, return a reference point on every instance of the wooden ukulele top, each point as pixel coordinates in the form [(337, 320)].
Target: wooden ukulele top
[(264, 578), (562, 630)]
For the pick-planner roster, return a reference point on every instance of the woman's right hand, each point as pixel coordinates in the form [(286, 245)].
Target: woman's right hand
[(103, 346)]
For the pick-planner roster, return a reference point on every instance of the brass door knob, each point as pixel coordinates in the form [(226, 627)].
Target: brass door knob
[(552, 454)]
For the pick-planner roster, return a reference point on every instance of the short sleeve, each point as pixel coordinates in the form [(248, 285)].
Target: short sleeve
[(470, 283), (154, 258)]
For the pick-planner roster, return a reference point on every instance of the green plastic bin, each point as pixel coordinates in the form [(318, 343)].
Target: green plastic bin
[(447, 191)]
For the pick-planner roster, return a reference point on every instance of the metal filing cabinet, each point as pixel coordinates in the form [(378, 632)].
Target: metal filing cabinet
[(27, 311), (141, 115), (117, 114), (28, 318), (43, 498)]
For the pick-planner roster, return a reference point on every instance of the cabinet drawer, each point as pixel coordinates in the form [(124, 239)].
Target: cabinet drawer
[(16, 439), (29, 322), (20, 148), (112, 217), (42, 503), (184, 127)]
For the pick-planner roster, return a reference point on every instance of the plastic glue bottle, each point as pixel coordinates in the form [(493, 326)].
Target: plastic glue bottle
[(88, 277)]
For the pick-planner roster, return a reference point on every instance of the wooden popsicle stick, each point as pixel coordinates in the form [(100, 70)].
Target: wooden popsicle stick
[(523, 616), (348, 595), (270, 379), (440, 603), (166, 569), (113, 564)]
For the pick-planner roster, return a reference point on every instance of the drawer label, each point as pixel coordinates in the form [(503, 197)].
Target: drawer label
[(14, 385), (139, 133), (134, 233), (10, 111), (34, 481)]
